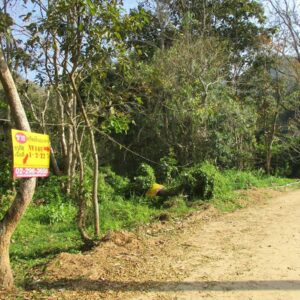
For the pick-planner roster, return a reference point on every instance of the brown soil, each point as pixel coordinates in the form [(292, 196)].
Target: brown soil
[(253, 253)]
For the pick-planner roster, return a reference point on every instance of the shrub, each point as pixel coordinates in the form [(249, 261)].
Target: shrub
[(203, 181), (106, 191), (168, 169), (118, 183), (51, 190), (144, 180), (56, 206)]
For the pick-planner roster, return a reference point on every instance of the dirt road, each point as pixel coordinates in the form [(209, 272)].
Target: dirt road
[(252, 253)]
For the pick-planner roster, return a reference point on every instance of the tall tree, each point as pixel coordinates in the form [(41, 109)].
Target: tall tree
[(76, 45), (287, 20), (26, 190)]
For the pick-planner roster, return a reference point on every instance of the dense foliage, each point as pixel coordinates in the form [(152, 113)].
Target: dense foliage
[(196, 81)]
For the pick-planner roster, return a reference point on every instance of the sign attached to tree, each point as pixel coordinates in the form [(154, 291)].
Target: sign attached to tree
[(31, 152)]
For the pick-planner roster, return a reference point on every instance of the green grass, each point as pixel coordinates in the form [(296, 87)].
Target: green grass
[(35, 242), (229, 199), (246, 179), (121, 213)]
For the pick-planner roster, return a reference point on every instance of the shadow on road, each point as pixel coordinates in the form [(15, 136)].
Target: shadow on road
[(156, 286)]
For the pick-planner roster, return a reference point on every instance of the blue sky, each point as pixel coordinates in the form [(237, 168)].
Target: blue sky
[(130, 3)]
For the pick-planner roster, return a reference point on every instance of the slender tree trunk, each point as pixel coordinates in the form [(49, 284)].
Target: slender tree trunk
[(268, 160), (81, 199), (81, 215), (71, 147), (95, 158), (269, 144), (24, 195), (54, 164), (62, 132)]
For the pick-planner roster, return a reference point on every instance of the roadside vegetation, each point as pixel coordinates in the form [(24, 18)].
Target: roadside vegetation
[(49, 225)]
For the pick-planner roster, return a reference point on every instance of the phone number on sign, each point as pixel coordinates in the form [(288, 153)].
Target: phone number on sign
[(31, 172)]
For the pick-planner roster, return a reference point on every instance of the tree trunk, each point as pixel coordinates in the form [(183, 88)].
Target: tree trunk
[(88, 242), (268, 161), (269, 144), (54, 164), (6, 276), (14, 214), (71, 147), (95, 158)]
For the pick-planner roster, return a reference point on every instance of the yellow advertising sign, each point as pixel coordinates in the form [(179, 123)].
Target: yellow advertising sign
[(31, 152)]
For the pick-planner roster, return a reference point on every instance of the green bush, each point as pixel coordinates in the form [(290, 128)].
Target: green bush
[(51, 190), (118, 183), (203, 182), (168, 170), (55, 206), (144, 180), (106, 191)]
